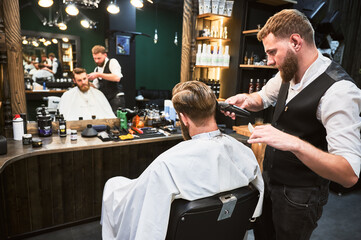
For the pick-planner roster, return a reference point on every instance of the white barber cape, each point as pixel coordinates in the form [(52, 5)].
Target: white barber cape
[(208, 164), (74, 104)]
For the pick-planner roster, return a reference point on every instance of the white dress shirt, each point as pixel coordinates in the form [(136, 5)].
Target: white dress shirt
[(338, 110), (114, 68), (209, 163)]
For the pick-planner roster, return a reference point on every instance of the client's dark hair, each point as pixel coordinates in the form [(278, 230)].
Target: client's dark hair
[(78, 71), (194, 99)]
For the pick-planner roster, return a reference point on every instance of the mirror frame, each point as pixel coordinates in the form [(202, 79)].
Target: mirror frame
[(59, 36)]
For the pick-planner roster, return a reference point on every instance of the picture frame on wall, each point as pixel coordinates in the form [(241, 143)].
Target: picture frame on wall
[(122, 45)]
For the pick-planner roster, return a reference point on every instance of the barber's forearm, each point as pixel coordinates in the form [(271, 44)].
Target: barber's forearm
[(110, 77), (333, 167)]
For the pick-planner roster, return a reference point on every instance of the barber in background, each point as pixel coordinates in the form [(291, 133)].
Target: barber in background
[(107, 77), (55, 66), (315, 131)]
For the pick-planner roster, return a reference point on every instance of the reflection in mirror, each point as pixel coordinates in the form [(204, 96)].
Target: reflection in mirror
[(42, 85)]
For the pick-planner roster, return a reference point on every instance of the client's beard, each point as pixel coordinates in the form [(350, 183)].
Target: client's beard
[(289, 67), (84, 88), (185, 131)]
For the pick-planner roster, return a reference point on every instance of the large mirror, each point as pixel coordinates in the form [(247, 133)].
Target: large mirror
[(152, 66)]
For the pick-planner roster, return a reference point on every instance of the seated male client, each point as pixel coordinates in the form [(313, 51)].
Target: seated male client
[(207, 163), (84, 101)]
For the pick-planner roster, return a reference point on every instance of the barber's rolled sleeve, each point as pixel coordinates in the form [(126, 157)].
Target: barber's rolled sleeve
[(269, 92), (339, 111), (115, 68)]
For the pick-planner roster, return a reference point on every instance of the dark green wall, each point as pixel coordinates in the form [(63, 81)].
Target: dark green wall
[(88, 37), (158, 65)]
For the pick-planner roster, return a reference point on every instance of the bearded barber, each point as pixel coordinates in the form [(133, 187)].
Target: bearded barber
[(106, 77), (315, 132)]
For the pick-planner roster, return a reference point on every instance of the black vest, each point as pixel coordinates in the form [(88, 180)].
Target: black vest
[(298, 118), (59, 70), (109, 88)]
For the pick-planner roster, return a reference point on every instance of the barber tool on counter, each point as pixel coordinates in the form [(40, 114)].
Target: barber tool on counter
[(62, 126), (18, 127), (89, 131)]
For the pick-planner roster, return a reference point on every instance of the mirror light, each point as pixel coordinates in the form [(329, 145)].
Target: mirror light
[(137, 3), (113, 8), (62, 26), (45, 3), (155, 36), (85, 23), (72, 10)]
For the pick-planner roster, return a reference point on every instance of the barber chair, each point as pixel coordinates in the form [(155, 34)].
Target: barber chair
[(224, 216)]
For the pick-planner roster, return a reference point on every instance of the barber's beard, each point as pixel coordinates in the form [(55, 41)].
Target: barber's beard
[(84, 88), (289, 67), (101, 64), (185, 131)]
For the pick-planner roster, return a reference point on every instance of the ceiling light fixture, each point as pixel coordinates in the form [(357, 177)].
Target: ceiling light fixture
[(113, 7), (137, 3), (45, 3), (72, 10), (62, 26), (85, 23)]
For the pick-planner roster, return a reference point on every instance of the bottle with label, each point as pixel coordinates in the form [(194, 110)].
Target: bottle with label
[(252, 59), (18, 127), (198, 55), (62, 126), (226, 57), (258, 87), (250, 86), (245, 59)]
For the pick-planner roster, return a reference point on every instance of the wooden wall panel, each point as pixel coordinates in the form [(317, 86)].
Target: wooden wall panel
[(68, 187)]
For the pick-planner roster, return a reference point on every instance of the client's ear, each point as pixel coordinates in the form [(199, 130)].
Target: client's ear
[(184, 119)]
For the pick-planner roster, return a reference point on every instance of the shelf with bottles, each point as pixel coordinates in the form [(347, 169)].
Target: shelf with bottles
[(213, 39), (213, 17), (250, 66)]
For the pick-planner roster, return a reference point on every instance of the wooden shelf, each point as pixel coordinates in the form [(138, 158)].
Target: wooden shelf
[(212, 17), (277, 2), (256, 66), (205, 66), (213, 39), (251, 32)]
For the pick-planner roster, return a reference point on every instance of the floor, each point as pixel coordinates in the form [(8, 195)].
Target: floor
[(341, 220)]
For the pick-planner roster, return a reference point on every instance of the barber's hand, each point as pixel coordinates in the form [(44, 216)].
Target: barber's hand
[(274, 138), (237, 100), (92, 76)]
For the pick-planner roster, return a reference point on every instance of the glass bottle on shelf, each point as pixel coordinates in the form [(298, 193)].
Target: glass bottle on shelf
[(245, 59), (250, 86), (258, 87)]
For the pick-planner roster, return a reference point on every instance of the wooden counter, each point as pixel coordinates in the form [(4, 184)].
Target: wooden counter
[(61, 183)]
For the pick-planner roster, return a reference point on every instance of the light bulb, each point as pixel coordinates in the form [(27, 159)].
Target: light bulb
[(155, 36), (176, 39), (62, 26), (113, 8), (25, 42), (137, 3), (65, 39), (42, 40), (85, 23), (54, 40), (72, 10), (45, 3)]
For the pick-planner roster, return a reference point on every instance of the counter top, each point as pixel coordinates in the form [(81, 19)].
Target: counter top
[(55, 144)]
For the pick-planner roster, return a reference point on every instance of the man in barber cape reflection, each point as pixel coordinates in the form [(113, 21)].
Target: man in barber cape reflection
[(84, 101)]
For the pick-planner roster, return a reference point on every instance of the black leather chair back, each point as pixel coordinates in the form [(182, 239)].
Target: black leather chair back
[(199, 219)]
